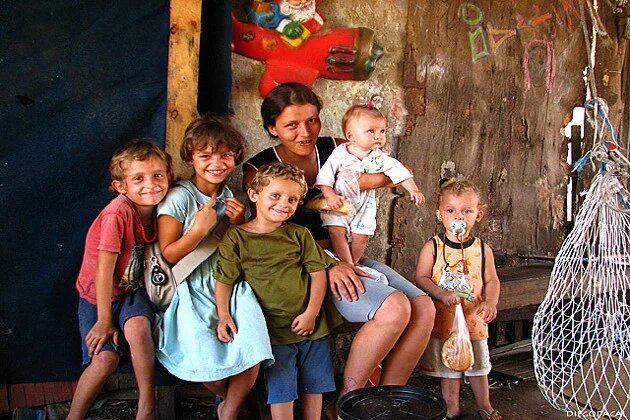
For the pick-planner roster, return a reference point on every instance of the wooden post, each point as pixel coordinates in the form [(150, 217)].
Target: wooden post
[(183, 74)]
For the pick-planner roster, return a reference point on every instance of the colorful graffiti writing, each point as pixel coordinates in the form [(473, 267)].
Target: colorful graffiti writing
[(470, 14), (483, 43), (538, 57), (477, 42), (539, 64)]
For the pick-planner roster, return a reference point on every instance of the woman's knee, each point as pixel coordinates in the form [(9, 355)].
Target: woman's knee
[(423, 309), (137, 330), (395, 310)]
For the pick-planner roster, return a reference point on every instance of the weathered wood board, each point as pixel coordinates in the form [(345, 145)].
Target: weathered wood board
[(488, 87)]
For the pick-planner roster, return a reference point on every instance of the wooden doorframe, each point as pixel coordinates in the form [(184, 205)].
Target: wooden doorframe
[(183, 74)]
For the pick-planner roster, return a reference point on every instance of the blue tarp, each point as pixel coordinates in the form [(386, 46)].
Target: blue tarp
[(78, 79)]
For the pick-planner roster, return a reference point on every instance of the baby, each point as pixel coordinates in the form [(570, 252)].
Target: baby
[(365, 129)]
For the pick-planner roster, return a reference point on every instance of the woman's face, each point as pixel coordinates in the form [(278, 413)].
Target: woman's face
[(297, 127)]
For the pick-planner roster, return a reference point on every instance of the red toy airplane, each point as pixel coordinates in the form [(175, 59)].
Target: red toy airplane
[(337, 53)]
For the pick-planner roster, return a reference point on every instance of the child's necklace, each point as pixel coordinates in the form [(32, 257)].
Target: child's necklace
[(462, 260), (143, 231)]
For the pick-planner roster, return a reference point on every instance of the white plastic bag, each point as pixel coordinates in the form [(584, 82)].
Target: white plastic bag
[(457, 353)]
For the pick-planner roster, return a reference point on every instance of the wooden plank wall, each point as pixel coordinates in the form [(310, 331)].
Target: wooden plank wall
[(488, 87)]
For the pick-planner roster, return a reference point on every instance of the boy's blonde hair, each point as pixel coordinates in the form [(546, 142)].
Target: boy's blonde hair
[(457, 187), (355, 111), (139, 150), (274, 170), (212, 130)]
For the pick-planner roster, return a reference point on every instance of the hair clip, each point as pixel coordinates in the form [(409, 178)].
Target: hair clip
[(375, 102)]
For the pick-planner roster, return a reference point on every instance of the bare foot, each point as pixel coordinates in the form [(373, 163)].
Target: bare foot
[(145, 414), (220, 409), (453, 412), (225, 412)]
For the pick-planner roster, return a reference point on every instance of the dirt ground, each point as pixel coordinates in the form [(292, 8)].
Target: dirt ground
[(515, 400)]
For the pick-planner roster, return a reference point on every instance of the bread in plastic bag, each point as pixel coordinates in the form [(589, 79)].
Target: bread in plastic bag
[(457, 352)]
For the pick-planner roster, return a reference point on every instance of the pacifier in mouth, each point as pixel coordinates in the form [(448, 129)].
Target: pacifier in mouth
[(458, 228)]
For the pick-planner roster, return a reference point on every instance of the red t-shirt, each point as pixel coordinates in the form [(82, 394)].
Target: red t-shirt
[(117, 228)]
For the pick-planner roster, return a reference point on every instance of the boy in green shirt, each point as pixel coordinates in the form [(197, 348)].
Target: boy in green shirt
[(286, 270)]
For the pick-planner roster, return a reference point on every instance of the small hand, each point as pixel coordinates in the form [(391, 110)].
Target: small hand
[(235, 210), (449, 298), (293, 30), (343, 280), (488, 310), (334, 201), (206, 217), (226, 329), (418, 198), (98, 336), (303, 324)]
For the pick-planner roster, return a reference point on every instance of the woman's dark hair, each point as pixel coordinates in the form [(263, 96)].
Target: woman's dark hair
[(281, 97)]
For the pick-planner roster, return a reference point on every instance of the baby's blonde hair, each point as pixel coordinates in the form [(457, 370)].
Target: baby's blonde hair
[(139, 150), (457, 187), (355, 111), (274, 170)]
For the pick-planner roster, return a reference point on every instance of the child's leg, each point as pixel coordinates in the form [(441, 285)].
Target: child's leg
[(311, 406), (138, 334), (340, 243), (450, 393), (358, 245), (218, 387), (91, 382), (282, 411), (238, 387), (481, 391)]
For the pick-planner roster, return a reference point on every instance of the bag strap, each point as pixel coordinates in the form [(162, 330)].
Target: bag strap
[(204, 250)]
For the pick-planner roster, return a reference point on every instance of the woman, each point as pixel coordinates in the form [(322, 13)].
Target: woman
[(398, 319)]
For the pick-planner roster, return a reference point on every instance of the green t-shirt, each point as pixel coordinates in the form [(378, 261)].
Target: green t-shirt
[(277, 266)]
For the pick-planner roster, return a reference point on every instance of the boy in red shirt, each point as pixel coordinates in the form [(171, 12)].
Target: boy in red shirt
[(110, 284)]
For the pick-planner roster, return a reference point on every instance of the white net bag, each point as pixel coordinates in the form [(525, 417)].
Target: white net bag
[(581, 331)]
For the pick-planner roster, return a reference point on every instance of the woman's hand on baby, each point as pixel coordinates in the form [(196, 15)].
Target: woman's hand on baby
[(487, 310), (418, 198), (226, 329), (304, 324), (344, 280), (98, 336), (235, 210), (449, 298)]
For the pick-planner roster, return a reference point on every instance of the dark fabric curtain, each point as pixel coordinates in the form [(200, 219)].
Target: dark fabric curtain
[(215, 51), (78, 79)]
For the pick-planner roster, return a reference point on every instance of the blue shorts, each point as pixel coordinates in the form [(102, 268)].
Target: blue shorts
[(365, 308), (128, 306), (306, 366)]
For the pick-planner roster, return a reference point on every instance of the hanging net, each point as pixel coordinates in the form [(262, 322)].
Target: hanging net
[(581, 331)]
